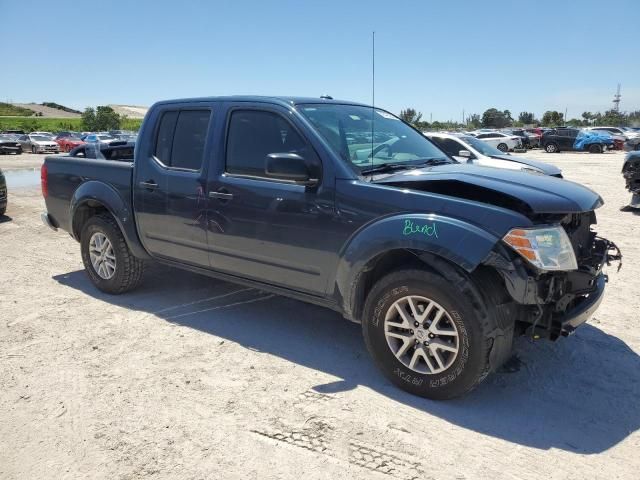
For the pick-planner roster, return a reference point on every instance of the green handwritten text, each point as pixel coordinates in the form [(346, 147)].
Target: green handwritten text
[(411, 228)]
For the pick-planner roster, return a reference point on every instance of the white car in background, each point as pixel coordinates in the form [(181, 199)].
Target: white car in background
[(467, 149), (501, 141), (622, 132), (99, 138)]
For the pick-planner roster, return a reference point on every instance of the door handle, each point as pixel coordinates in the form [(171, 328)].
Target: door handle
[(221, 195), (149, 185)]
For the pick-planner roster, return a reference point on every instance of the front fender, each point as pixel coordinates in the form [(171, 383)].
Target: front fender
[(459, 242), (95, 192)]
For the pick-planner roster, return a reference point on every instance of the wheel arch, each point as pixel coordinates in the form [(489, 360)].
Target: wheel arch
[(93, 198), (378, 250)]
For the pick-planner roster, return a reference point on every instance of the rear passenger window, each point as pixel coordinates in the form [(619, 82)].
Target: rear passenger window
[(181, 138), (164, 141), (255, 134)]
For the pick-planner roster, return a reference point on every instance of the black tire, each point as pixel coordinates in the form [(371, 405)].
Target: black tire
[(551, 147), (503, 147), (129, 269), (33, 149), (595, 148), (3, 210), (471, 365)]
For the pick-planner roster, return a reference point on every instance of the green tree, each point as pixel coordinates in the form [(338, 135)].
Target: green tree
[(551, 118), (494, 118), (474, 121), (527, 118), (107, 119), (89, 119), (587, 117), (410, 115)]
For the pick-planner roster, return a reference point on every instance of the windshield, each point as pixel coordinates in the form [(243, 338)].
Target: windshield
[(365, 137), (483, 147), (105, 137), (40, 138)]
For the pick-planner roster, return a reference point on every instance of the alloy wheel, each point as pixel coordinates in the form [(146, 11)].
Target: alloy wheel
[(102, 256), (421, 334)]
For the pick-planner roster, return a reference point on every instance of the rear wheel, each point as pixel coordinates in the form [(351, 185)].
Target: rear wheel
[(107, 258), (426, 335), (595, 148), (551, 148), (503, 147), (3, 210)]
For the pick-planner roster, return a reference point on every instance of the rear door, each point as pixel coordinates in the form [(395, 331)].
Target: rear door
[(262, 228), (170, 182)]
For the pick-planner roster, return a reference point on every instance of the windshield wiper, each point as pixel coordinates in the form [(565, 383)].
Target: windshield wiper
[(390, 167)]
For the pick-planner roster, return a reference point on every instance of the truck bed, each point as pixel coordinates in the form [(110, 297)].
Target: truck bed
[(66, 174)]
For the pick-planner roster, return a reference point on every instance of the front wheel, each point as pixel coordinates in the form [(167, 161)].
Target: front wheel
[(107, 258), (551, 148), (33, 149), (595, 148), (503, 147), (425, 335)]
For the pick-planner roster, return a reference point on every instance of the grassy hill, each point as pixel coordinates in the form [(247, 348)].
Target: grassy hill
[(48, 124), (6, 109)]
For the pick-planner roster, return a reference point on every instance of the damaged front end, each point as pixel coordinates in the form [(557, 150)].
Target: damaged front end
[(549, 303), (631, 174)]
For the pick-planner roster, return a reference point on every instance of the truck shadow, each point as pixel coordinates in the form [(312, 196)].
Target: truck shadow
[(579, 394)]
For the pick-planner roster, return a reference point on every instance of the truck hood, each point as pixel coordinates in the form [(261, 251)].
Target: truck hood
[(519, 191), (546, 168)]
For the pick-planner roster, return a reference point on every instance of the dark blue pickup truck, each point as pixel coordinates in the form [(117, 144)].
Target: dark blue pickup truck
[(346, 206)]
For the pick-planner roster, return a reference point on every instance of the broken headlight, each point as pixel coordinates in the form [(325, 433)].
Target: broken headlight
[(547, 248)]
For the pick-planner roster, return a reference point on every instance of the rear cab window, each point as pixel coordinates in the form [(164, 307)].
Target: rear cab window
[(181, 138)]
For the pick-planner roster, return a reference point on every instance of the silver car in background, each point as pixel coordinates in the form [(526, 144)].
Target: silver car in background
[(35, 143)]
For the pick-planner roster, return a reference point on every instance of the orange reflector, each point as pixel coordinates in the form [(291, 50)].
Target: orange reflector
[(517, 241)]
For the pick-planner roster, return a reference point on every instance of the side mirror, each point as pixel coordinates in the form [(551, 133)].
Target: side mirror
[(464, 153), (288, 166)]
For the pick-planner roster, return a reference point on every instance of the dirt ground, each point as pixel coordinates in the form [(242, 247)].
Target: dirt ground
[(189, 377)]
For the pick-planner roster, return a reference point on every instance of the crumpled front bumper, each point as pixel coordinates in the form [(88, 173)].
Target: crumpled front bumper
[(580, 313)]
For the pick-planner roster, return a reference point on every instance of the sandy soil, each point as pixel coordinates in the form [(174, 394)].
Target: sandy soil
[(22, 161), (194, 378)]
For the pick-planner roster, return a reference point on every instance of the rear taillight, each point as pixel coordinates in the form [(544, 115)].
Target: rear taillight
[(44, 181)]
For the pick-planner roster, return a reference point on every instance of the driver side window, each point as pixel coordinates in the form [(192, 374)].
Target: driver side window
[(254, 134)]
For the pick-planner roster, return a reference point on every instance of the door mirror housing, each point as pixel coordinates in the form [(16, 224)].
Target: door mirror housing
[(289, 166), (464, 153)]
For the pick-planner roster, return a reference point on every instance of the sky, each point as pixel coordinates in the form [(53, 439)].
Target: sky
[(439, 57)]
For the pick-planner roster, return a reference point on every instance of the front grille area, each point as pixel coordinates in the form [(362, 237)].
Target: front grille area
[(578, 228)]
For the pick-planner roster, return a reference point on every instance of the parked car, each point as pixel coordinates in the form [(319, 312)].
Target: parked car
[(622, 131), (524, 137), (66, 133), (69, 142), (501, 141), (467, 149), (573, 139), (442, 263), (3, 194), (119, 150), (631, 174), (98, 138), (8, 144), (38, 144)]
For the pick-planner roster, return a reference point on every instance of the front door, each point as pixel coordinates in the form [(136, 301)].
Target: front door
[(265, 229), (169, 187)]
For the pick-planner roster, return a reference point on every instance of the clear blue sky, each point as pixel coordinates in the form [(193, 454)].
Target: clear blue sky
[(438, 57)]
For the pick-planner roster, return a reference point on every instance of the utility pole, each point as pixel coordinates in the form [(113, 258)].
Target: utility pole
[(616, 100), (463, 116)]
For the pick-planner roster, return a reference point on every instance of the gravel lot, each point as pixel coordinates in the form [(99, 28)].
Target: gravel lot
[(189, 377)]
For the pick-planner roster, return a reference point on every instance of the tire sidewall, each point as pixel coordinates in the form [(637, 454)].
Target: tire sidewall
[(505, 147), (94, 225), (470, 365), (551, 148)]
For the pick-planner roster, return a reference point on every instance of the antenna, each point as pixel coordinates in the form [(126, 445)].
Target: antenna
[(373, 91)]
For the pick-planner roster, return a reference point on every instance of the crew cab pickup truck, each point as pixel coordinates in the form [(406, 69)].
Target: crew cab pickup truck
[(346, 206)]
